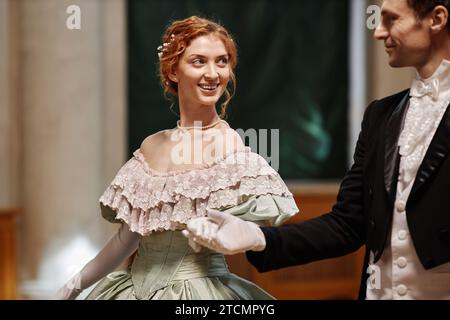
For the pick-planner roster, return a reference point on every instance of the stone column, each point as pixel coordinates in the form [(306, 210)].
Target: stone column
[(9, 111), (74, 138)]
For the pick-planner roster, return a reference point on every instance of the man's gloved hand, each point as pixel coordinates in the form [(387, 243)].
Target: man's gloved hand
[(224, 233)]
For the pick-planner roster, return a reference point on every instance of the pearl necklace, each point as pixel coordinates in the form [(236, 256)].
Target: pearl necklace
[(201, 128)]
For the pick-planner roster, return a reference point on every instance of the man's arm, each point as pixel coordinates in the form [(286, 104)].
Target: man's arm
[(337, 233)]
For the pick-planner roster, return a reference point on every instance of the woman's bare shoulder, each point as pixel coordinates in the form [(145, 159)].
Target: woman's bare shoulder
[(156, 139)]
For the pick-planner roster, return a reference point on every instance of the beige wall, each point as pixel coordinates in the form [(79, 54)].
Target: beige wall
[(10, 140), (63, 125)]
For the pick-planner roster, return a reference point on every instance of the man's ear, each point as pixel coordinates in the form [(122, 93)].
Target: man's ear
[(439, 17)]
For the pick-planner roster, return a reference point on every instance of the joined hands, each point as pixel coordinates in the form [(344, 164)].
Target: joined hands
[(224, 233)]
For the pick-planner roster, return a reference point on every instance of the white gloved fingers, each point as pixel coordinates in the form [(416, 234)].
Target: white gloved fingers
[(194, 245), (212, 245), (225, 233), (214, 229), (197, 241), (191, 227), (202, 228), (237, 236), (186, 233), (209, 230), (218, 217), (194, 225)]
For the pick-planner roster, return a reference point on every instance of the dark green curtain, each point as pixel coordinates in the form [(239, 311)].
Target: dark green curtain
[(292, 75)]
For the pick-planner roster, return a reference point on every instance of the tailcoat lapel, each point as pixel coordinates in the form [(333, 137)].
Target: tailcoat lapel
[(392, 132)]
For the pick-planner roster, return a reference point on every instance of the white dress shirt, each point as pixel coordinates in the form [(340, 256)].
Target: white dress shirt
[(401, 274)]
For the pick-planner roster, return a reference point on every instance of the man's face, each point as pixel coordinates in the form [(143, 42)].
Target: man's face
[(406, 38)]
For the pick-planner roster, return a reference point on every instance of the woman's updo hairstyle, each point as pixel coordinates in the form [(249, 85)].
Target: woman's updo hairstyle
[(178, 37)]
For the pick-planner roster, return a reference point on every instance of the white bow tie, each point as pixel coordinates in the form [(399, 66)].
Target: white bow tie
[(420, 89)]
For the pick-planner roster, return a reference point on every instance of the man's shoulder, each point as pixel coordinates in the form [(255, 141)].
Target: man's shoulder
[(392, 100), (382, 107)]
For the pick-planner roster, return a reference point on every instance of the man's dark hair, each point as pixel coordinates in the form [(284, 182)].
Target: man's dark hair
[(424, 7)]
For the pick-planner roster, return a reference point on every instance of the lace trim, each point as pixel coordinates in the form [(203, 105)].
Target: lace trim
[(153, 201), (421, 122)]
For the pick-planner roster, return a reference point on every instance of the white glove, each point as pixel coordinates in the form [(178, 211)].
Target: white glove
[(205, 227), (122, 245), (70, 290), (225, 233)]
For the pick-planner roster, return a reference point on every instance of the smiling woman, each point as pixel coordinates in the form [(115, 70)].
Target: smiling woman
[(154, 195), (203, 73), (202, 53)]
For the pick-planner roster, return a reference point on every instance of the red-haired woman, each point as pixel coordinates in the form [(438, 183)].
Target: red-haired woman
[(180, 173)]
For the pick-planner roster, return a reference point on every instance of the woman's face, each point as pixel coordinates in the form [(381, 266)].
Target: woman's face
[(203, 72)]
